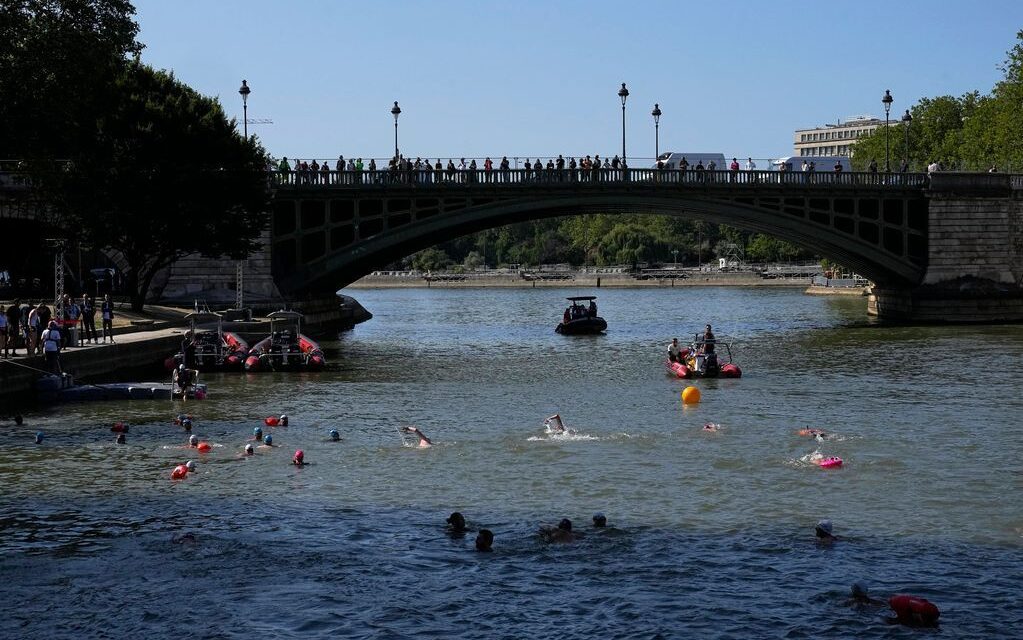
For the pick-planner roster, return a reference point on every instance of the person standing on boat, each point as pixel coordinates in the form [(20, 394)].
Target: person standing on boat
[(708, 340), (593, 308)]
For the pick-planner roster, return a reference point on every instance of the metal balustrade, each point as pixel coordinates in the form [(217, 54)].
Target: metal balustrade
[(517, 178)]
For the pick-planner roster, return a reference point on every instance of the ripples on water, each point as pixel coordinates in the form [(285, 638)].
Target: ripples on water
[(712, 531)]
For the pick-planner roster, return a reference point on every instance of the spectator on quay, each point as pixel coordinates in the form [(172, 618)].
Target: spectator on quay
[(350, 168), (537, 169), (750, 165), (51, 347), (74, 317), (3, 332), (872, 167), (88, 319), (571, 169), (427, 172), (472, 170), (733, 170), (904, 167), (339, 169), (107, 316), (550, 169), (699, 170), (527, 171), (452, 171), (324, 173), (505, 169), (712, 166), (683, 167), (13, 314), (488, 169), (559, 166), (33, 328), (314, 170), (838, 166), (616, 164), (597, 164)]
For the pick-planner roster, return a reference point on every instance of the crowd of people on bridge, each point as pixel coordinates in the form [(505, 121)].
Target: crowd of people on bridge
[(405, 170)]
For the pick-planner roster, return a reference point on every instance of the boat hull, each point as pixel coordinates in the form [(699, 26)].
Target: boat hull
[(581, 326), (302, 355)]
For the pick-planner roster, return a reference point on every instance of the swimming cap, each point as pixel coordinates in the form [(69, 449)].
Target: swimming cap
[(334, 435), (187, 424), (39, 437), (825, 526), (190, 465), (859, 590), (258, 431), (299, 455), (249, 449), (284, 420), (181, 367), (599, 519), (565, 524), (193, 439), (121, 439), (268, 439), (18, 420)]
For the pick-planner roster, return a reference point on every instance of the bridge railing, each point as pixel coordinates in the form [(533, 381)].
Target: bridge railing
[(534, 178)]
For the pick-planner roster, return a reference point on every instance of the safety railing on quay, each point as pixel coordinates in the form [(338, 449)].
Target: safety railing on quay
[(555, 177)]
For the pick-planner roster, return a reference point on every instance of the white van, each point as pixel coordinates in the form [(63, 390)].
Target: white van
[(822, 164), (670, 160)]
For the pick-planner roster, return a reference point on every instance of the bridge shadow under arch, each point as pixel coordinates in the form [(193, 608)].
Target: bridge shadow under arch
[(323, 241)]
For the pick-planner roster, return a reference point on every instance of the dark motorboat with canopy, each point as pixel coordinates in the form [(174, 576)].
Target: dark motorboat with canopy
[(580, 318), (207, 347), (285, 348)]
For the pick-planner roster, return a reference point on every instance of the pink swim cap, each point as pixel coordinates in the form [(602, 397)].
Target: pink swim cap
[(299, 455)]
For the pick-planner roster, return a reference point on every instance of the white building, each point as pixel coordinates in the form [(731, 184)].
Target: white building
[(833, 139)]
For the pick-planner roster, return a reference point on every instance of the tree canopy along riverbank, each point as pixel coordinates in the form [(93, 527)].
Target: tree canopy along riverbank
[(124, 158)]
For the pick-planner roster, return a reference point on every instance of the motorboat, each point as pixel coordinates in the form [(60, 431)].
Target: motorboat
[(207, 347), (702, 359), (285, 349), (580, 318)]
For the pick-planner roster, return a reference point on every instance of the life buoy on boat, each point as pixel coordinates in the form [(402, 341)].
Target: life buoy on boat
[(914, 611)]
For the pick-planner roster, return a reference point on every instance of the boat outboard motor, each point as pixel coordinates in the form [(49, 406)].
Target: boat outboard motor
[(711, 364)]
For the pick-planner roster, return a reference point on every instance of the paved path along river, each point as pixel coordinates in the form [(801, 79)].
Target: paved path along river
[(711, 533)]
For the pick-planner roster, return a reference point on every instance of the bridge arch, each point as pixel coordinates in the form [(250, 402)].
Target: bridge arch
[(324, 240)]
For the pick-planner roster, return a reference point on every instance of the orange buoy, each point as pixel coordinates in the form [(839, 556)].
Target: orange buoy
[(179, 472), (690, 395)]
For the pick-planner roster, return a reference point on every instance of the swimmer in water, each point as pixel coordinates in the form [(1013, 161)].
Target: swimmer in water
[(456, 523), (554, 424), (248, 451), (257, 434), (711, 426), (860, 598), (599, 520), (187, 424), (184, 538), (121, 439), (298, 459), (823, 533), (485, 540), (268, 442), (193, 442), (423, 440), (819, 434), (334, 435), (39, 437), (283, 420), (190, 465), (561, 533)]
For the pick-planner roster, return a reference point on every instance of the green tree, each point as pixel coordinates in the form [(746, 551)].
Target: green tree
[(58, 63), (432, 259), (166, 174)]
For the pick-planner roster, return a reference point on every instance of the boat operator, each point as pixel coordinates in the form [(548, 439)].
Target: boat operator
[(708, 340)]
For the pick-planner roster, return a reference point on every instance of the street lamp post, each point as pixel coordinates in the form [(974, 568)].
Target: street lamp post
[(674, 252), (656, 113), (245, 91), (395, 111), (887, 101), (907, 120), (623, 93)]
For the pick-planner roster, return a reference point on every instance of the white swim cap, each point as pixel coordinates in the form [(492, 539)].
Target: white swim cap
[(825, 526), (190, 465)]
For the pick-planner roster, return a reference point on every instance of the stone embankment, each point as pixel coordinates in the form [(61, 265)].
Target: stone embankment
[(587, 278)]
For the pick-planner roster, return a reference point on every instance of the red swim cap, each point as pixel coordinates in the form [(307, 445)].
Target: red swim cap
[(299, 455), (204, 447)]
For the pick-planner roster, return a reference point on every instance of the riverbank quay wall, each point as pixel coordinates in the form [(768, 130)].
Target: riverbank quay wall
[(136, 350), (975, 255)]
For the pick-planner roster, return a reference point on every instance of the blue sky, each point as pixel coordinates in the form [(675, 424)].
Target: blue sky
[(540, 78)]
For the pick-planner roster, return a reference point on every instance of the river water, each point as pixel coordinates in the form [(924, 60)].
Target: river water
[(710, 533)]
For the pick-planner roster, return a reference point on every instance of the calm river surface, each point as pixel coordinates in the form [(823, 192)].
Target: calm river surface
[(711, 534)]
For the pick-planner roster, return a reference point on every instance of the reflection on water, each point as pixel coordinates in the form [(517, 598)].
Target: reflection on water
[(711, 530)]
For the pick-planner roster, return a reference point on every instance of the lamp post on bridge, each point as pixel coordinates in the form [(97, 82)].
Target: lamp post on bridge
[(674, 252), (395, 111), (656, 113), (623, 93), (907, 120), (245, 91), (887, 101)]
